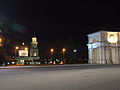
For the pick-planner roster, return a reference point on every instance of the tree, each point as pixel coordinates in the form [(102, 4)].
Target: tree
[(3, 56), (5, 42)]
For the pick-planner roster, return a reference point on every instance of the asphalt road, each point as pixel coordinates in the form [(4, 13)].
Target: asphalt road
[(60, 77)]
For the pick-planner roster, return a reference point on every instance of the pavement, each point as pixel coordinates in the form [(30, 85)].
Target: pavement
[(60, 77)]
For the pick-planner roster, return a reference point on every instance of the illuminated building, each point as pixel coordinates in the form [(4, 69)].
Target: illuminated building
[(34, 51), (104, 47), (21, 54), (26, 55), (34, 47)]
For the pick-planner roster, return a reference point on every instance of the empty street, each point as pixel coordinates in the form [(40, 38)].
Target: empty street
[(60, 77)]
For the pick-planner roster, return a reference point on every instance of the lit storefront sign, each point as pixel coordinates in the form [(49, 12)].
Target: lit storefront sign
[(23, 52)]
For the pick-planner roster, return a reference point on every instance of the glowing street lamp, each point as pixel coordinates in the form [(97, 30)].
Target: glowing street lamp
[(26, 48), (16, 48), (23, 43), (63, 51), (51, 50)]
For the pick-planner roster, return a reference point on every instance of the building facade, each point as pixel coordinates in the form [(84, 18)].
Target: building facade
[(34, 51), (104, 47), (28, 56)]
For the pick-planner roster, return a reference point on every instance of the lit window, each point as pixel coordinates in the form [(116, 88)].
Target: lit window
[(34, 54), (34, 39)]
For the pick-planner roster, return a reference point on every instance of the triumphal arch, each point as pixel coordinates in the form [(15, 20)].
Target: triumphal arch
[(104, 47)]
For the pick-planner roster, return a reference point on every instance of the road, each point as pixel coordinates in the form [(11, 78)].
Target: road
[(60, 77)]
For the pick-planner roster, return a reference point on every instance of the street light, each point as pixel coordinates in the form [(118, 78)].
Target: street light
[(63, 51), (16, 48), (23, 43), (26, 48), (51, 50)]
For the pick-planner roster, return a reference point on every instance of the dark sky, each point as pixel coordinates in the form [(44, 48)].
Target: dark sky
[(62, 20), (42, 13), (62, 12)]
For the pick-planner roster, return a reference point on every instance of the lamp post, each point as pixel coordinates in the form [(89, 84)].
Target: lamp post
[(63, 51), (16, 48), (51, 50)]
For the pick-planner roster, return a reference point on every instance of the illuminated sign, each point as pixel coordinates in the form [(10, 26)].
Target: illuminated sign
[(23, 52)]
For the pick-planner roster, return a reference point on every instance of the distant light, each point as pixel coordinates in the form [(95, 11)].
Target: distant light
[(35, 54), (8, 63), (52, 50), (50, 62), (57, 60), (23, 43), (16, 47), (74, 50), (64, 49), (13, 62), (0, 40), (26, 48)]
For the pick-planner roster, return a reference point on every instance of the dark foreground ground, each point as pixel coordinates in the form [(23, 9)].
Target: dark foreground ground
[(60, 77)]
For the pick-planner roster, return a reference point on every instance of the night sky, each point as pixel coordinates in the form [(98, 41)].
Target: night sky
[(58, 21)]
